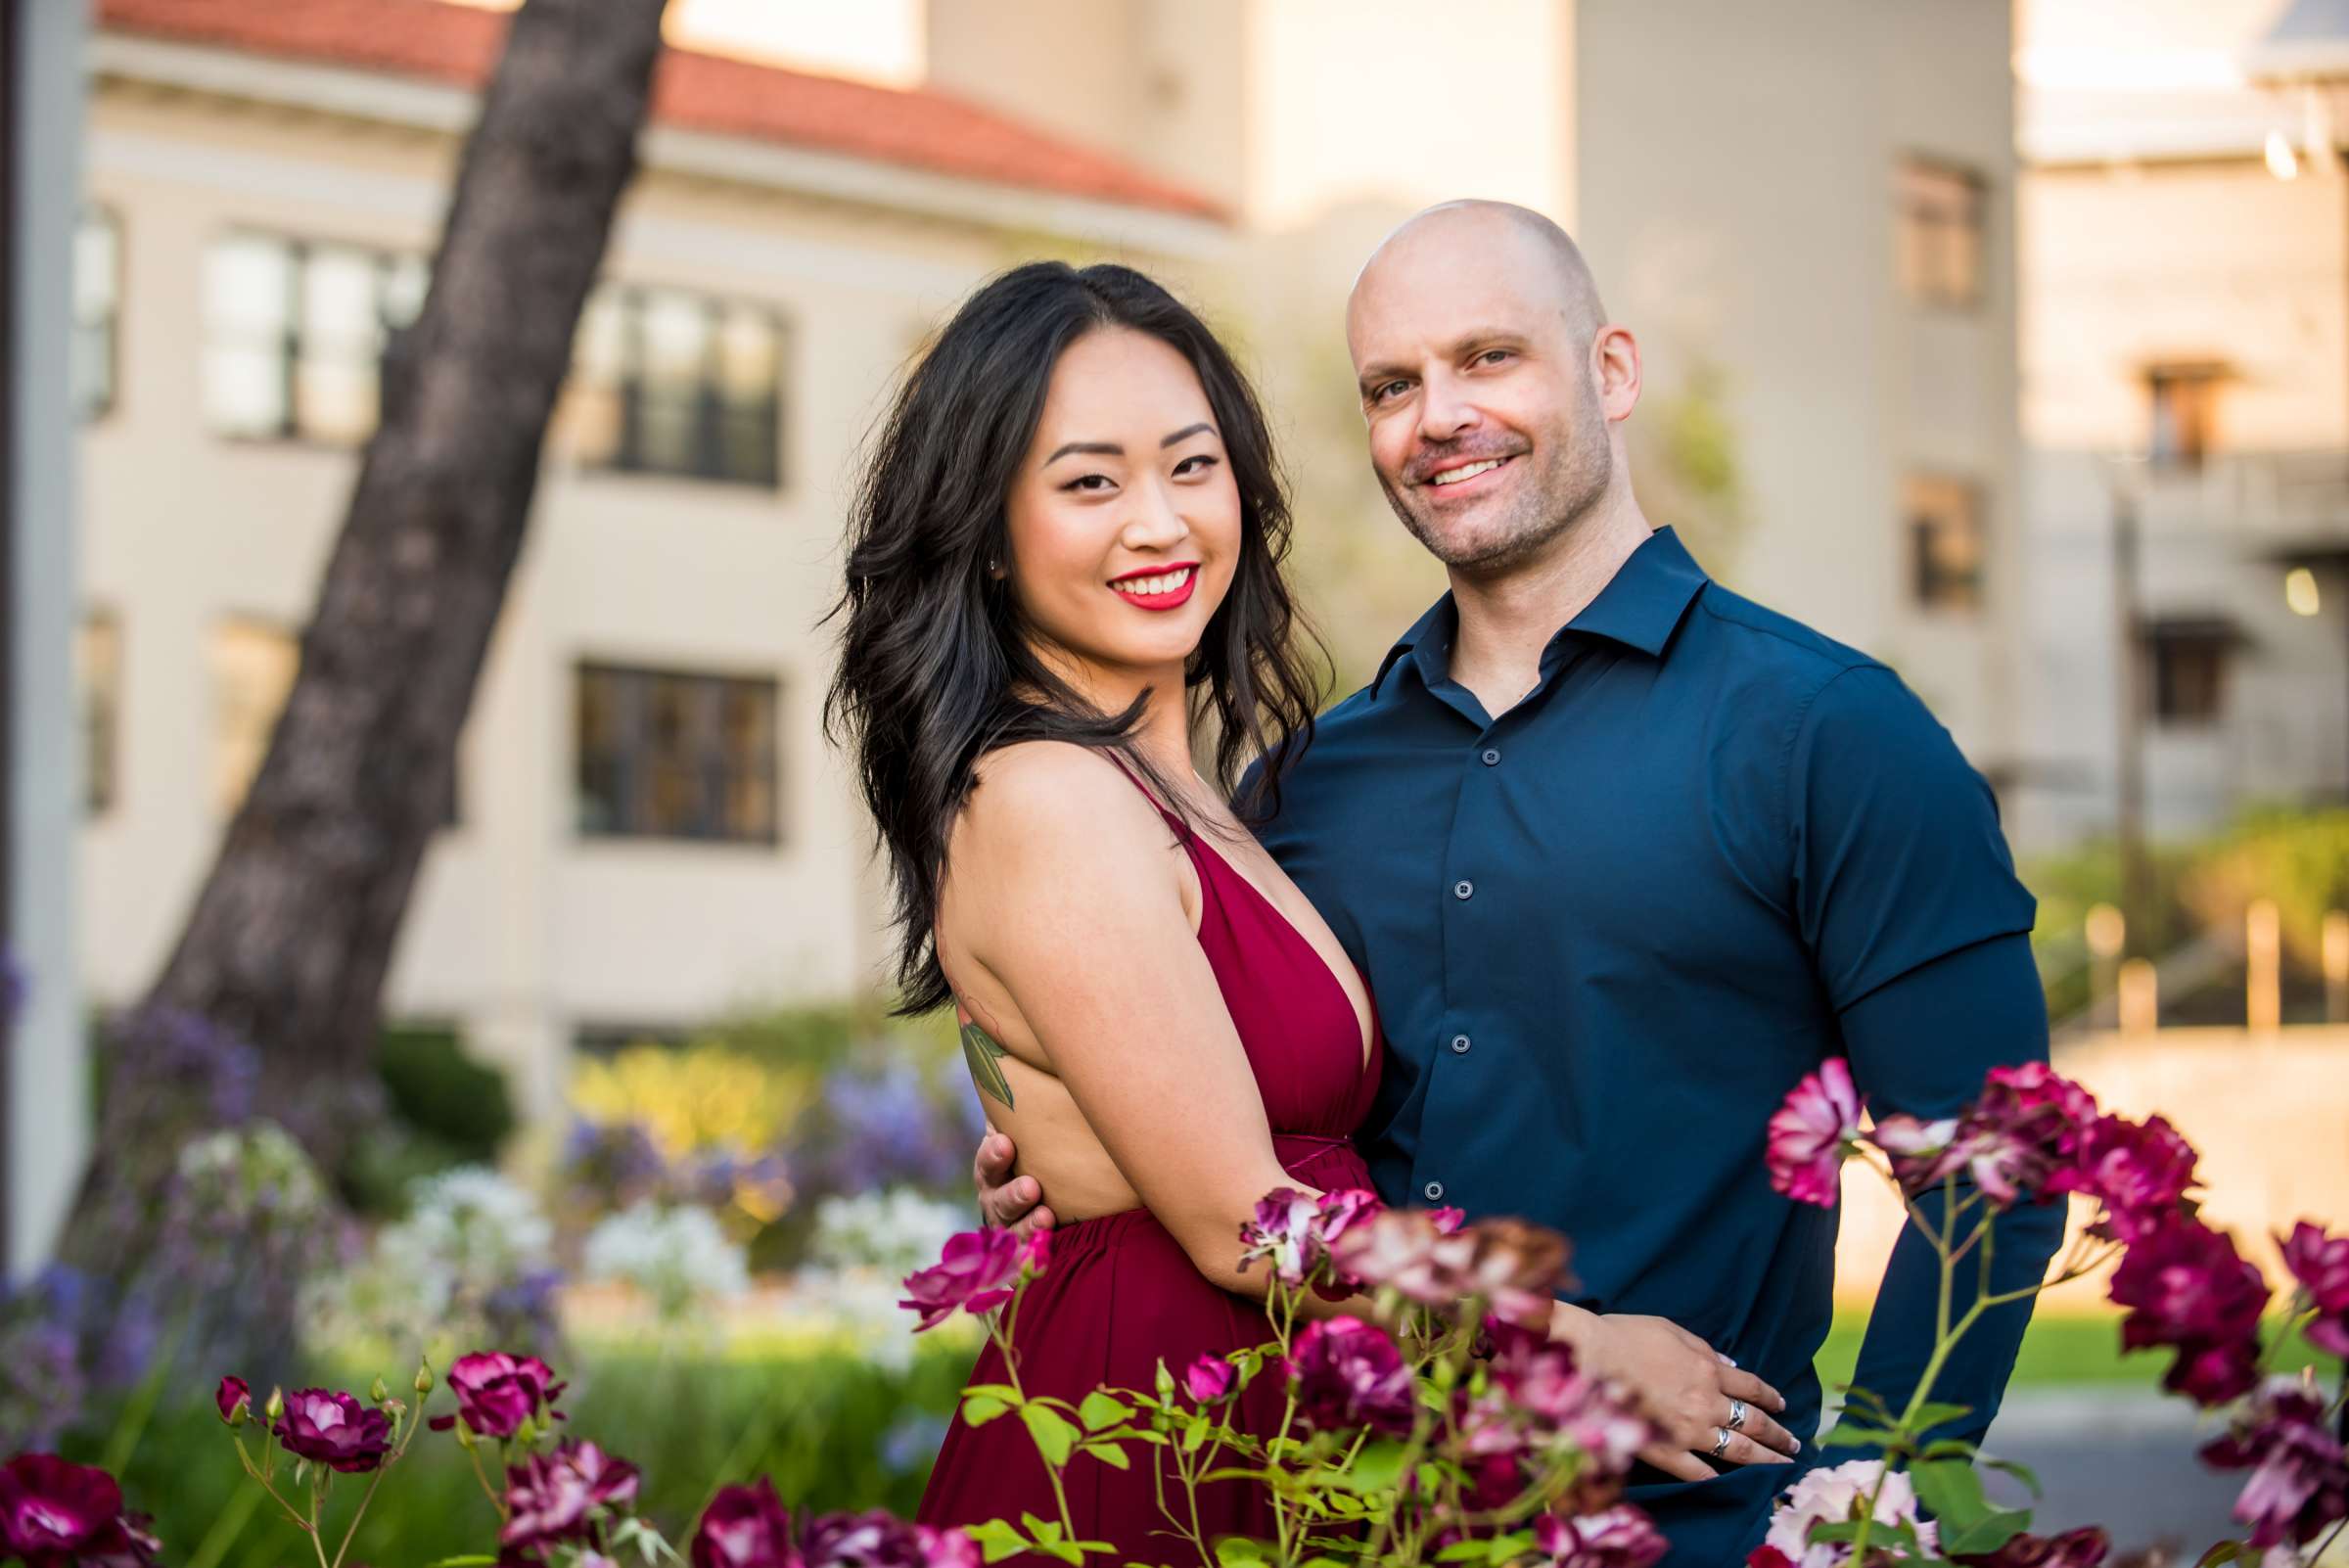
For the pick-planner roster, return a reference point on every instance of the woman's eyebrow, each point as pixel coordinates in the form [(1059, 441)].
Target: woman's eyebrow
[(1186, 433), (1089, 448)]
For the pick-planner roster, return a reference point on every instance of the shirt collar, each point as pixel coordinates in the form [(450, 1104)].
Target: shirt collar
[(1641, 607)]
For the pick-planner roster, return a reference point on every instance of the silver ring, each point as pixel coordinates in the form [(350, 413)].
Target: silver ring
[(1720, 1443), (1737, 1413)]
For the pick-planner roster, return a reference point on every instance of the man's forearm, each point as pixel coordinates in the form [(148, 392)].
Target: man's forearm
[(1904, 1329)]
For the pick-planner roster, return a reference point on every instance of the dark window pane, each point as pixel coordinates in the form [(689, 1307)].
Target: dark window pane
[(1945, 542), (676, 756)]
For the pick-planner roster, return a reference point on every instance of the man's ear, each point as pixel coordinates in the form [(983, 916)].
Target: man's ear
[(1615, 356)]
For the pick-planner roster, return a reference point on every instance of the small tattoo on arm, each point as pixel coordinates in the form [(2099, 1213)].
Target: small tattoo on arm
[(985, 1057)]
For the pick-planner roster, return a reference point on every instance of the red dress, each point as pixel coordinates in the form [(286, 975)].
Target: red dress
[(1121, 1294)]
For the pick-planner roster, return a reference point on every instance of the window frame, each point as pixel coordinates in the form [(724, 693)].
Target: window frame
[(631, 387), (111, 325), (1966, 595), (291, 330), (1929, 221), (634, 753)]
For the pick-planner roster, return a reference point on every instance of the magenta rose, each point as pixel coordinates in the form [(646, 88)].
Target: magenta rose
[(1348, 1373), (1208, 1379), (2299, 1482), (1622, 1537), (2186, 1287), (556, 1497), (745, 1527), (2020, 1139), (2140, 1171), (873, 1539), (2321, 1263), (2084, 1547), (235, 1398), (1810, 1134), (333, 1430), (497, 1393), (1558, 1400), (53, 1512), (948, 1549), (976, 1273)]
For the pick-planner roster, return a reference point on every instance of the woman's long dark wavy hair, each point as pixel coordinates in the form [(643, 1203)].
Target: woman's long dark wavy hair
[(935, 671)]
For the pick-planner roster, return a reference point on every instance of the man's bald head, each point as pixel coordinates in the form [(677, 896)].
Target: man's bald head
[(1485, 366), (1465, 232)]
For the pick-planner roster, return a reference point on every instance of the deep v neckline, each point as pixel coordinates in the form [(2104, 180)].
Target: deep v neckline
[(1370, 1034)]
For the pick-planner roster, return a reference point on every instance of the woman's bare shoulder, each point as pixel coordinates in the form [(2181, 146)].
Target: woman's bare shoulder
[(1058, 791)]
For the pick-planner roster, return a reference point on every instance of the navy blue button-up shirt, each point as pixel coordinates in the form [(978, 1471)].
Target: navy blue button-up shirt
[(1610, 929)]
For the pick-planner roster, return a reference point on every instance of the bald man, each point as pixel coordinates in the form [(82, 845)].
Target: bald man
[(1625, 856)]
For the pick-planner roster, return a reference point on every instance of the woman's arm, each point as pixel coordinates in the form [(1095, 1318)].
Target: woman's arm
[(1065, 890)]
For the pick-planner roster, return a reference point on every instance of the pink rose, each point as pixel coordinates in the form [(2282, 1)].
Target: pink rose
[(497, 1392), (235, 1398), (1208, 1379), (976, 1273), (1810, 1134), (2320, 1264), (2299, 1484), (1349, 1374), (2186, 1287)]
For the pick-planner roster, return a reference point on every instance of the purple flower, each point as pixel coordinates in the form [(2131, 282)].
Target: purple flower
[(52, 1513), (2299, 1484), (556, 1497), (976, 1273), (497, 1393), (1622, 1537), (1810, 1134), (333, 1430), (235, 1398), (1349, 1374), (2084, 1547), (948, 1549), (2021, 1138), (2140, 1171), (2185, 1287), (1208, 1379), (1559, 1399), (1516, 1268), (745, 1527), (874, 1540), (2321, 1263)]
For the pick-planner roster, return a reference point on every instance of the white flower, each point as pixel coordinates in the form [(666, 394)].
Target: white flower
[(894, 1231), (678, 1257), (1841, 1493), (470, 1233)]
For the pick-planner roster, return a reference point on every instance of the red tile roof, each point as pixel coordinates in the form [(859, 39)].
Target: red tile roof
[(916, 128)]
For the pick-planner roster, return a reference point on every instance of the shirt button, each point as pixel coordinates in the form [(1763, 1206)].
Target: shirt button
[(1491, 757), (1434, 1191), (1462, 888), (1459, 1045)]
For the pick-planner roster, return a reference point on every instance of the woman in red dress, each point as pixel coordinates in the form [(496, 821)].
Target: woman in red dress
[(1068, 548)]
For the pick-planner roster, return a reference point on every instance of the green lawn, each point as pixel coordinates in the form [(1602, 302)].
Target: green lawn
[(2061, 1348)]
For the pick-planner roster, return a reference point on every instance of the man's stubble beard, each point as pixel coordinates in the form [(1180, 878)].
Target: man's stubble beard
[(1549, 505)]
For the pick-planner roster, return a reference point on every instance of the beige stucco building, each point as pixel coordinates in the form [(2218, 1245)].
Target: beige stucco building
[(2185, 222), (1803, 210), (647, 826)]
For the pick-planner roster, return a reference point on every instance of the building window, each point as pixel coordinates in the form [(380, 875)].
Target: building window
[(2185, 400), (97, 311), (253, 670), (1944, 519), (675, 756), (665, 381), (1938, 216), (2189, 660), (293, 334), (100, 656)]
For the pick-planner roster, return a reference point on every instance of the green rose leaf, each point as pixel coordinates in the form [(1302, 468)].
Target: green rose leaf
[(979, 1408), (1099, 1409), (1054, 1437)]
